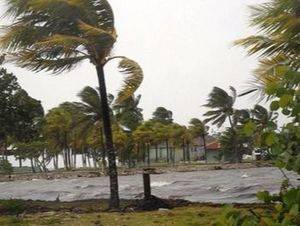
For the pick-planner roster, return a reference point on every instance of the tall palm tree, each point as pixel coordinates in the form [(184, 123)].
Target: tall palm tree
[(223, 103), (90, 115), (58, 35)]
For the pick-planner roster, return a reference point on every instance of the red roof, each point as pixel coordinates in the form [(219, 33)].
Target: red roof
[(213, 145)]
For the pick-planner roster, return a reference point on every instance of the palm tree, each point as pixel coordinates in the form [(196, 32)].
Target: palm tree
[(264, 118), (277, 41), (144, 136), (223, 103), (56, 36), (128, 113), (57, 130), (91, 117), (198, 128)]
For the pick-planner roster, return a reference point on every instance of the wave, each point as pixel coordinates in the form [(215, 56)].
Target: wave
[(160, 184)]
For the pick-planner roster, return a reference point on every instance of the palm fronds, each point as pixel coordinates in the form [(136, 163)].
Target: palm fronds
[(277, 43), (134, 78)]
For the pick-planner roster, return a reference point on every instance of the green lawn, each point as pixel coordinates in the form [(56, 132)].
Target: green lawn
[(182, 216)]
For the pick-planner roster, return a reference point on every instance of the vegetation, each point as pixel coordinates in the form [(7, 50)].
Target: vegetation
[(93, 212), (5, 166), (279, 76), (58, 35)]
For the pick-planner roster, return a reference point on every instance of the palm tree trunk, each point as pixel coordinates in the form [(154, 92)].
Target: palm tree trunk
[(167, 147), (156, 153), (83, 158), (235, 149), (148, 153), (188, 151), (32, 166), (138, 153), (56, 161), (183, 152), (74, 155), (174, 155), (89, 160), (144, 154), (65, 159), (103, 152), (204, 146), (112, 167)]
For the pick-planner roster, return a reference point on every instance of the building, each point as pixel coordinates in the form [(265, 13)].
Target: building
[(192, 152)]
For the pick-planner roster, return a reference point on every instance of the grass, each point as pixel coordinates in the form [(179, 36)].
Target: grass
[(193, 215), (183, 216)]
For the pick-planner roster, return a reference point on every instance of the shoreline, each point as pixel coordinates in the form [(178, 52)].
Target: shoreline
[(17, 206), (159, 169)]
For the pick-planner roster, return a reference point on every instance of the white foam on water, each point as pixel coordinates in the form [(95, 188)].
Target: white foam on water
[(160, 183), (245, 175), (223, 189)]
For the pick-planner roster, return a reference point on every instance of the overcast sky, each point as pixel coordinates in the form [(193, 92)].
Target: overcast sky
[(184, 47)]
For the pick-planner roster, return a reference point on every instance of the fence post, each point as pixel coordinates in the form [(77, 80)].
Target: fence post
[(147, 184)]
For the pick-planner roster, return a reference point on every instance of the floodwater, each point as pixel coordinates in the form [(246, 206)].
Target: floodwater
[(218, 186)]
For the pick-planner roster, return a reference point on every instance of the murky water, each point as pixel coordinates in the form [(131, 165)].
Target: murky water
[(223, 186)]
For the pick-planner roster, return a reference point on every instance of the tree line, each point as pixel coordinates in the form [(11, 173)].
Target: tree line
[(57, 35)]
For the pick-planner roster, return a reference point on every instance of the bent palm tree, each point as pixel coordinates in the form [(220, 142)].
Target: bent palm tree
[(128, 113), (58, 35), (220, 100), (90, 115), (264, 118)]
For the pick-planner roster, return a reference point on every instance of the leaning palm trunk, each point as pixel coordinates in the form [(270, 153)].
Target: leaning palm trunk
[(112, 167)]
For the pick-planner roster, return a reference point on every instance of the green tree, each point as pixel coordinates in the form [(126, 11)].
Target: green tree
[(20, 114), (37, 150), (58, 131), (199, 129), (278, 78), (223, 103), (90, 117), (8, 87), (58, 35), (29, 113), (5, 166), (277, 42), (163, 115), (144, 137), (128, 113)]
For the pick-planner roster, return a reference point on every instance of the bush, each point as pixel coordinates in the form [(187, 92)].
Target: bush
[(5, 166), (12, 207)]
